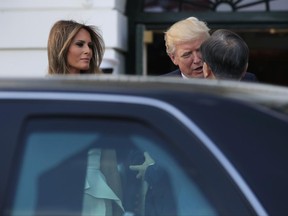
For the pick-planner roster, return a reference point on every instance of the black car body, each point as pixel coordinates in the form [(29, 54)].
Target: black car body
[(215, 147)]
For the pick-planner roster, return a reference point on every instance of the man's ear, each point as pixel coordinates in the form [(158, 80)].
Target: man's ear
[(206, 70), (245, 70), (208, 73), (173, 59), (246, 67)]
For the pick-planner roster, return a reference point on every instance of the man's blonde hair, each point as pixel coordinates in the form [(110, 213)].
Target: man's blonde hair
[(184, 31)]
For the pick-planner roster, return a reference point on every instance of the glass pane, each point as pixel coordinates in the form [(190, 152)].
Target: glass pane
[(214, 5), (45, 152), (176, 5), (197, 6), (89, 170), (161, 5), (279, 5), (255, 5)]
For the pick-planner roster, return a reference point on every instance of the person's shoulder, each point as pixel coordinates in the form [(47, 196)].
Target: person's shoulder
[(250, 77), (173, 73)]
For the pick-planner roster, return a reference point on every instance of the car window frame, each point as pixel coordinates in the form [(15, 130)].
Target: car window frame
[(191, 128)]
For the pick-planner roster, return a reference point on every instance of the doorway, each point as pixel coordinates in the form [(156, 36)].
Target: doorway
[(268, 54)]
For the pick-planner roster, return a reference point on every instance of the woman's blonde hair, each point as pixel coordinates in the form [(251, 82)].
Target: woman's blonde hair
[(60, 38), (184, 31)]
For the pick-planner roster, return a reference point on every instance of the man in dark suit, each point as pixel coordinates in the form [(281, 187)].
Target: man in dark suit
[(225, 55), (183, 40), (248, 77)]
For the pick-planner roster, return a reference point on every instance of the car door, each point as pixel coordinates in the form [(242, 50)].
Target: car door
[(82, 154)]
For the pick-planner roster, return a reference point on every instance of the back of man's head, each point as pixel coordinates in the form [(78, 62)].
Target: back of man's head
[(226, 53)]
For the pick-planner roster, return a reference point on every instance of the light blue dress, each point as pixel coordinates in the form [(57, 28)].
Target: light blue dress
[(98, 196)]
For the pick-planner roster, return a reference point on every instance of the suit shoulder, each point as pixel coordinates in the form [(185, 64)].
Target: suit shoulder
[(250, 77), (173, 73)]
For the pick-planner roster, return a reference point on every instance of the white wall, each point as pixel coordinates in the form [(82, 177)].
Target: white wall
[(25, 25)]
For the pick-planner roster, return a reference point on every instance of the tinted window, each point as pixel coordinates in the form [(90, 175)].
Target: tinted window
[(73, 166)]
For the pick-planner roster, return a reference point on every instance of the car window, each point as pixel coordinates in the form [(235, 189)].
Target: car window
[(101, 166)]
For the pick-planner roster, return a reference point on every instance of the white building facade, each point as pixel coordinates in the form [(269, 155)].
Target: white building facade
[(25, 26)]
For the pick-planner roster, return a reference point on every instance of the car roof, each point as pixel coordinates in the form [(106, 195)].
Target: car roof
[(267, 94)]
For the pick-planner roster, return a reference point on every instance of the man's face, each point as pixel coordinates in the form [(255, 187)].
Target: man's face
[(189, 59)]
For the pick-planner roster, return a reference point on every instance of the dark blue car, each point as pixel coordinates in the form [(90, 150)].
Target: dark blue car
[(142, 146)]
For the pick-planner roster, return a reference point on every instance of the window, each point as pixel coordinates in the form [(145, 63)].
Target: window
[(77, 166), (214, 5)]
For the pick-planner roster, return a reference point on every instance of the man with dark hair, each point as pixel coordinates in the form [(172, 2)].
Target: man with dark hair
[(225, 55), (183, 40)]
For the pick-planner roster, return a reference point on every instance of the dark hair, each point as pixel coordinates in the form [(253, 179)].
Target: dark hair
[(226, 53)]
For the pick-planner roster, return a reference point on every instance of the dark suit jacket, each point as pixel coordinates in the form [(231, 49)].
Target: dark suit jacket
[(160, 198), (248, 77)]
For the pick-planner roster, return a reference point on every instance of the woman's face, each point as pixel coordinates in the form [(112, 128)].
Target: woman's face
[(80, 52)]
